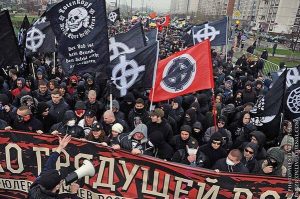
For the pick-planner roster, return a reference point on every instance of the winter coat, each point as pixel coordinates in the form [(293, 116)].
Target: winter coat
[(223, 166), (226, 135), (181, 155), (58, 110), (164, 127), (134, 115), (145, 146)]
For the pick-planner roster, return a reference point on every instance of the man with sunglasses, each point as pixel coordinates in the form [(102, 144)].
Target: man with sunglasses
[(232, 163), (25, 121), (248, 159)]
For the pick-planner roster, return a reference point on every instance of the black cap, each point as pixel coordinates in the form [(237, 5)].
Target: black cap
[(90, 113), (96, 127)]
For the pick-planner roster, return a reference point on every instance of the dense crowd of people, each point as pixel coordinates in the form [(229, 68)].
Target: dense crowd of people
[(201, 129)]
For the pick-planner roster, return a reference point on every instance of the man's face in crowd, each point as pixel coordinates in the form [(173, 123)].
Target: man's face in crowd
[(138, 136), (108, 119), (233, 159), (248, 153), (246, 118), (216, 144), (175, 105), (43, 89), (56, 98), (89, 120), (184, 135), (92, 99), (139, 106), (254, 140), (19, 84), (154, 118)]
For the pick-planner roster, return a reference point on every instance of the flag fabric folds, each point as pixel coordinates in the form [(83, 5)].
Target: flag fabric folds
[(40, 38), (9, 52), (151, 36), (127, 42), (216, 31), (81, 32), (114, 16), (164, 21), (22, 32), (184, 72), (133, 70)]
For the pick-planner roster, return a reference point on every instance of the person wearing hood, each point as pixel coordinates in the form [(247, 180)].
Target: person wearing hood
[(232, 163), (259, 138), (160, 124), (30, 102), (7, 111), (190, 155), (273, 164), (116, 110), (162, 149), (190, 117), (137, 141), (66, 96), (42, 94), (57, 105), (73, 82), (213, 149), (42, 114), (181, 140), (248, 159), (25, 121), (197, 132), (127, 104), (167, 108), (249, 94), (287, 146), (226, 134), (68, 126), (20, 87), (80, 92), (138, 114), (177, 111), (80, 110)]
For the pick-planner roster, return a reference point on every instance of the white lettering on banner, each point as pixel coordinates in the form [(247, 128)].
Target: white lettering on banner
[(212, 192), (238, 192), (270, 193), (128, 176), (19, 157), (76, 163), (38, 154), (60, 164), (74, 3), (18, 185), (154, 190), (178, 189), (109, 184)]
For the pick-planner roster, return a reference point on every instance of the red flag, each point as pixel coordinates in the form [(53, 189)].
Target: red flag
[(164, 21), (184, 72)]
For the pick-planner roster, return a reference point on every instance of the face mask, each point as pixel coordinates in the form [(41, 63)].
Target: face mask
[(71, 123), (140, 110), (79, 112), (188, 119), (191, 151), (74, 84), (229, 162), (197, 130)]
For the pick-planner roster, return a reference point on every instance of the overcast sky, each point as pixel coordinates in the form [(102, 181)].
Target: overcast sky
[(157, 5)]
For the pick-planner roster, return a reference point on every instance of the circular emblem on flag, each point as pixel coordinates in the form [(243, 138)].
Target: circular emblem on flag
[(77, 21), (112, 16), (35, 39), (179, 74), (293, 101), (208, 32)]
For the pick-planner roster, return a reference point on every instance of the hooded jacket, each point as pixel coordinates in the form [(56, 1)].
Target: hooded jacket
[(178, 113), (145, 146), (62, 127), (251, 164), (261, 138)]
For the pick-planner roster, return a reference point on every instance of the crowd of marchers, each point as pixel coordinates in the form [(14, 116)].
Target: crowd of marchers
[(199, 129)]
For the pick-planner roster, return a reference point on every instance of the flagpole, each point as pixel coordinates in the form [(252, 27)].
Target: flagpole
[(155, 71), (33, 71), (283, 103), (214, 108), (226, 38)]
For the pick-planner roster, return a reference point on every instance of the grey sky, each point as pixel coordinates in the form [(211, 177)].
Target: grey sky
[(157, 5)]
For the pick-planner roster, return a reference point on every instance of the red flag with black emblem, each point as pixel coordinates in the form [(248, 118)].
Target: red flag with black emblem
[(164, 21), (184, 72)]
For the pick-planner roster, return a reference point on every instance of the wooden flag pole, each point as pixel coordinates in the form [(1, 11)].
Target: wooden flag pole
[(226, 49)]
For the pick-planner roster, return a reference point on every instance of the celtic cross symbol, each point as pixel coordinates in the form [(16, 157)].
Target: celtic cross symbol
[(112, 16), (125, 73), (205, 33), (35, 39), (292, 77), (115, 46)]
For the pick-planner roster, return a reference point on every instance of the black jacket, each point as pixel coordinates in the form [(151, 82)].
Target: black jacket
[(30, 126), (41, 97), (58, 110), (164, 127), (222, 166), (134, 115), (181, 155)]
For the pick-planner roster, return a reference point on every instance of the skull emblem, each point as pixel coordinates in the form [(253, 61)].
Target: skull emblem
[(77, 18)]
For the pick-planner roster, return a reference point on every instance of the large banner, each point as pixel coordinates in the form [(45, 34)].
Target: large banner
[(122, 175)]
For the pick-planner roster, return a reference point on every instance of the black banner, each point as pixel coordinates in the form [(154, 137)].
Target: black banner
[(80, 27), (9, 52), (120, 174)]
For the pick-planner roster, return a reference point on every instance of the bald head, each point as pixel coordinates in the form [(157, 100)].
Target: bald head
[(108, 117)]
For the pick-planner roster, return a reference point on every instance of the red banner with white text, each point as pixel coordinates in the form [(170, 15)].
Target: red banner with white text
[(122, 175)]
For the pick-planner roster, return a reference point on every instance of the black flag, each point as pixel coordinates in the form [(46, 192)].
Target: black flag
[(9, 52), (40, 38), (134, 70), (151, 36), (22, 32), (81, 32), (114, 16), (127, 42)]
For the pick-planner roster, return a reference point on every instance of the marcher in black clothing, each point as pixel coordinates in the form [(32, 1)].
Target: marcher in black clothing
[(26, 122), (97, 134), (162, 149), (249, 160), (48, 183), (57, 105), (138, 114), (42, 114)]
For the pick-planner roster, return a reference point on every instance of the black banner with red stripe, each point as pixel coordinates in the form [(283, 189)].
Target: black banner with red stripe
[(122, 175)]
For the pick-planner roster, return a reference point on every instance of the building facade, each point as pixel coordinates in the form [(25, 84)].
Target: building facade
[(188, 7)]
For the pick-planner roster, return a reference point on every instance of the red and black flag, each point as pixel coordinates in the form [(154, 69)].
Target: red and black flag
[(184, 72)]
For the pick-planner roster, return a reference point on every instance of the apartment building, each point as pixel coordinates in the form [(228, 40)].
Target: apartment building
[(184, 6), (278, 16)]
